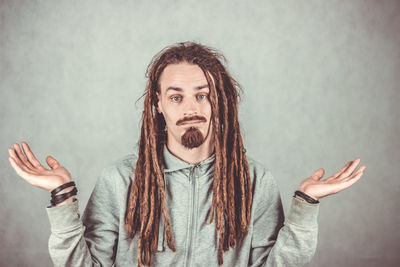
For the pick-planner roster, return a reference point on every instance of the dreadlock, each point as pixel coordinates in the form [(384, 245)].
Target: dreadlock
[(232, 194)]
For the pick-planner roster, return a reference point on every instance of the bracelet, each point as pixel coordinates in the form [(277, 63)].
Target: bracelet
[(60, 198), (57, 197), (61, 187), (306, 197)]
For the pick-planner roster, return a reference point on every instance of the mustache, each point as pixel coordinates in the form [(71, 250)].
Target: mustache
[(193, 118)]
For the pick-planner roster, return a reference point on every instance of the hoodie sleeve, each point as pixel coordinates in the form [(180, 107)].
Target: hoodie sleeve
[(278, 241), (92, 240)]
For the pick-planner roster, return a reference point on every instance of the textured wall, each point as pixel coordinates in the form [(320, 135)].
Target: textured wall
[(321, 87)]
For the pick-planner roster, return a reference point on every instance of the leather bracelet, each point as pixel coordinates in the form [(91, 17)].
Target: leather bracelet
[(60, 198), (57, 197), (305, 197), (61, 187)]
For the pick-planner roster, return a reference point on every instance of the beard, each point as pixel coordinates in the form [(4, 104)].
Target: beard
[(192, 138)]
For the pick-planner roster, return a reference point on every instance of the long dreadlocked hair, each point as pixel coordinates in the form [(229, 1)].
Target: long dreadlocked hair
[(232, 194)]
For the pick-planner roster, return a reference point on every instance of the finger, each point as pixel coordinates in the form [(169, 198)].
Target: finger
[(345, 183), (339, 172), (17, 161), (317, 175), (353, 179), (21, 172), (52, 162), (350, 169), (22, 157), (31, 157), (360, 170)]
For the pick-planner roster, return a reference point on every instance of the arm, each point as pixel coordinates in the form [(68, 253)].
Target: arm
[(278, 241), (293, 243), (92, 240), (74, 242)]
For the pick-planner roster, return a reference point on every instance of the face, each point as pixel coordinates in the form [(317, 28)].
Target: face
[(184, 103)]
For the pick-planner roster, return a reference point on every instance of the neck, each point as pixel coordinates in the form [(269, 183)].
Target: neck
[(191, 156)]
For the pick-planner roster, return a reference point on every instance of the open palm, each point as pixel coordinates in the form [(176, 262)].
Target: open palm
[(342, 179), (29, 168)]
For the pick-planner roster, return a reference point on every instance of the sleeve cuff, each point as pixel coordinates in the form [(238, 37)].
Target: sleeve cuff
[(64, 217), (303, 214)]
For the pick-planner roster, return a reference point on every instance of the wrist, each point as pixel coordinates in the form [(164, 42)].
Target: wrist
[(303, 190), (308, 194), (66, 190), (63, 194), (68, 200), (300, 198), (305, 197)]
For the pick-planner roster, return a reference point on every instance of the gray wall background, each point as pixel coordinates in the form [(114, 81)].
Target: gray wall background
[(321, 82)]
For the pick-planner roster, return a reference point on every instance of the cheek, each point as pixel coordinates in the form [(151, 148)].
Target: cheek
[(208, 112), (168, 119), (171, 116)]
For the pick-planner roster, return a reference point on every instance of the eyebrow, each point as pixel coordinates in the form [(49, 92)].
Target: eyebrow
[(180, 89)]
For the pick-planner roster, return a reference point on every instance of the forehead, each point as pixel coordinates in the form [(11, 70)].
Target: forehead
[(182, 75)]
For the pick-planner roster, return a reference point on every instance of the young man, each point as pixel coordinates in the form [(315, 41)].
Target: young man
[(189, 195)]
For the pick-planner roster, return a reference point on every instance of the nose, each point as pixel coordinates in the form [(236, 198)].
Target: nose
[(190, 108)]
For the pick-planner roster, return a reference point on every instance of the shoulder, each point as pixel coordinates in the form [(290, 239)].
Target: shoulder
[(120, 171), (124, 164), (258, 171), (263, 182)]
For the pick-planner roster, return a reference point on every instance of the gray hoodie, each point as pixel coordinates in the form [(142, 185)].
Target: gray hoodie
[(99, 237)]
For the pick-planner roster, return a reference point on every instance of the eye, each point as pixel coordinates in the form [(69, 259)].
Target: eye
[(202, 96), (175, 98)]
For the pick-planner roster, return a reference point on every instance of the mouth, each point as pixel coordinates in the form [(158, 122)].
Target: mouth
[(191, 122)]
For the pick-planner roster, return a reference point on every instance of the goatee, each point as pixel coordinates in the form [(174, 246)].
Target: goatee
[(192, 138)]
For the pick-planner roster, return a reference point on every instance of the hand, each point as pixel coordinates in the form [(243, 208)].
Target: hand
[(342, 179), (29, 168)]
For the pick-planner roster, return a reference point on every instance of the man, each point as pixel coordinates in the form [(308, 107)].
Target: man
[(189, 182)]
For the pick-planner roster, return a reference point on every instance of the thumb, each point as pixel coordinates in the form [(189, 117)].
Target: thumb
[(52, 162), (317, 175)]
